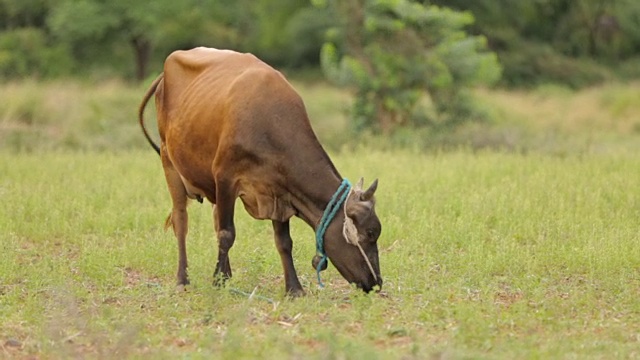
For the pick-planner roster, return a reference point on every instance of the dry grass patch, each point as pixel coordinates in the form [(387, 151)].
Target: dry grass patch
[(610, 108)]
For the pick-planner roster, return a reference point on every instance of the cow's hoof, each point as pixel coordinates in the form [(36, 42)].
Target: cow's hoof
[(219, 280), (180, 288), (295, 293), (183, 278)]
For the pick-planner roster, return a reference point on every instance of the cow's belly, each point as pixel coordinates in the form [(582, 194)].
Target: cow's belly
[(195, 172)]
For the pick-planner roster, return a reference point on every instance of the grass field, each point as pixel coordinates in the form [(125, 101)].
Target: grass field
[(484, 254), (521, 242)]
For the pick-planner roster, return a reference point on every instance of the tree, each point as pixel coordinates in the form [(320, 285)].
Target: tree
[(587, 28), (628, 14), (23, 13), (282, 33), (573, 42), (396, 52), (90, 25)]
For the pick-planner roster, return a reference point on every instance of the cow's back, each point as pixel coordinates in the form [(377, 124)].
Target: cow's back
[(225, 109), (208, 92)]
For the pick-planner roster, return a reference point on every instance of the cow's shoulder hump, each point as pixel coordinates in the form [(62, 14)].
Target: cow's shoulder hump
[(201, 59)]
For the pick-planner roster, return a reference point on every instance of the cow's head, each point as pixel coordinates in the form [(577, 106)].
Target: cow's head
[(351, 241)]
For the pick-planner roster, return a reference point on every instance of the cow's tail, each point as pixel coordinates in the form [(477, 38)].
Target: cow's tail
[(143, 105)]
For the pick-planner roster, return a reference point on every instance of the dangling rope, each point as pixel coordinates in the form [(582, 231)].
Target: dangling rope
[(328, 215), (348, 236)]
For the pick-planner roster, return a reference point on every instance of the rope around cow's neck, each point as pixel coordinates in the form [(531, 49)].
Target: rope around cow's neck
[(328, 215)]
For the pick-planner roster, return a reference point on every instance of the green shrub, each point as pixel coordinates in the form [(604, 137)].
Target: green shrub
[(530, 64), (393, 54), (26, 52)]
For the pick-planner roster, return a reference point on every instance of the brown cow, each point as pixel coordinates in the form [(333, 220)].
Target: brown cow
[(231, 126)]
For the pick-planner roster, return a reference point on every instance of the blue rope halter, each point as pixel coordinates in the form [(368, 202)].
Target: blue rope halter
[(329, 213)]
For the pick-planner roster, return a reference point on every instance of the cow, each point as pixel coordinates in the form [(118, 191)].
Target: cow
[(231, 127)]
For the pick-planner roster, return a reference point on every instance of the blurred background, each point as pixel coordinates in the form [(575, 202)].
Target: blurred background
[(554, 76)]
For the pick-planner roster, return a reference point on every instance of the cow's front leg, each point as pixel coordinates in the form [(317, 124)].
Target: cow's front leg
[(284, 244), (225, 230)]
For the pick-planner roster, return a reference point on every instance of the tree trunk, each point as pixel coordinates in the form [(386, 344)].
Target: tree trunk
[(590, 17), (384, 117), (142, 51)]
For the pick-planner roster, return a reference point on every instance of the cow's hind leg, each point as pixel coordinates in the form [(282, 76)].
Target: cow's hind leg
[(284, 244), (225, 228), (178, 219)]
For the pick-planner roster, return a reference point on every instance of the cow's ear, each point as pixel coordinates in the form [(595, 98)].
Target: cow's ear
[(368, 195), (359, 185)]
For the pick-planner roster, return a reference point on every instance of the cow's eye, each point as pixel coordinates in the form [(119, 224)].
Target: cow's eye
[(373, 233)]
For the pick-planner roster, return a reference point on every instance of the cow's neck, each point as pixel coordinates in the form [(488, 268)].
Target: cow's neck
[(312, 178), (316, 191)]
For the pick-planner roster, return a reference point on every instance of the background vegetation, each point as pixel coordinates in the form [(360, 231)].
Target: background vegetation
[(408, 63), (69, 115), (571, 42)]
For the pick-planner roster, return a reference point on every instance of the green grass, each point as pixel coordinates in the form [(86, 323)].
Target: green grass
[(484, 255)]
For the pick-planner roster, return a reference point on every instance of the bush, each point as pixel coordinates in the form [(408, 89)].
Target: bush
[(531, 64), (394, 54), (26, 52)]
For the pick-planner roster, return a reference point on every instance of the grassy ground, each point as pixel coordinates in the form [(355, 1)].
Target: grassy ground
[(484, 255), (528, 251), (556, 120)]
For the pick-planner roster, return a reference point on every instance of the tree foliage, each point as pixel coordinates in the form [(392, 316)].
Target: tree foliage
[(26, 52), (89, 26), (127, 38), (574, 42), (396, 52)]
